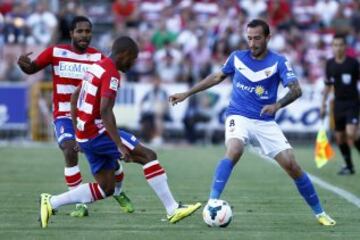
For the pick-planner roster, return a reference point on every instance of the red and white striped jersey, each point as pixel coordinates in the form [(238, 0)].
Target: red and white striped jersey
[(68, 68), (100, 80)]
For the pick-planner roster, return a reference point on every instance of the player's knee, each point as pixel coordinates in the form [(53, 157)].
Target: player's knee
[(150, 155), (293, 169), (234, 153), (70, 155)]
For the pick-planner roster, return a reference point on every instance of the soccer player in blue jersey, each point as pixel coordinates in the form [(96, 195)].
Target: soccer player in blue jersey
[(256, 74)]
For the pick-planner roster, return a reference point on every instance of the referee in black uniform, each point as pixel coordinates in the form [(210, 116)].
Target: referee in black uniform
[(342, 74)]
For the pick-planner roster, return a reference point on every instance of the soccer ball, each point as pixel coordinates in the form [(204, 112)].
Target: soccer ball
[(217, 213)]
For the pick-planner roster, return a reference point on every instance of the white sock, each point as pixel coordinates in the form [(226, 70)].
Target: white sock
[(156, 177), (85, 193), (119, 177), (73, 177)]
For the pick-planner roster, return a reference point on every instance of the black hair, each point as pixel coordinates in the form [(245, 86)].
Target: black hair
[(78, 19), (340, 36), (258, 22), (124, 43)]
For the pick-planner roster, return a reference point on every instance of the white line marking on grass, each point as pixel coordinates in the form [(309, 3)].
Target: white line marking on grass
[(348, 196), (338, 191)]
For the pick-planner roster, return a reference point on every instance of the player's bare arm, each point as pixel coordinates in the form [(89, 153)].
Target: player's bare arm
[(293, 94), (326, 93), (208, 82), (108, 118), (26, 65)]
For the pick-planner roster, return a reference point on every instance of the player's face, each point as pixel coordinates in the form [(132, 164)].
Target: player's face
[(339, 47), (81, 36), (126, 61), (257, 41)]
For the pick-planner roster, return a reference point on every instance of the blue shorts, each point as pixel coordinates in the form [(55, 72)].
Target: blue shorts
[(64, 130), (102, 153)]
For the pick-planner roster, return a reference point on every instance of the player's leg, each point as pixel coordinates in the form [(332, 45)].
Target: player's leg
[(65, 135), (236, 131), (234, 150), (304, 185), (345, 150), (340, 119), (157, 179), (119, 195), (85, 193), (274, 144)]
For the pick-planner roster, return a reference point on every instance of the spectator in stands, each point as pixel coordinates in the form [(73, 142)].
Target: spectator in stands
[(9, 71), (154, 113), (67, 13), (253, 8), (42, 25), (279, 13), (168, 62), (144, 65), (162, 35), (15, 29), (326, 10)]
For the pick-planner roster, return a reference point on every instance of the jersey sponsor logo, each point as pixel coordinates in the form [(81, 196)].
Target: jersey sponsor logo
[(346, 78), (114, 83), (258, 90), (254, 76), (72, 69)]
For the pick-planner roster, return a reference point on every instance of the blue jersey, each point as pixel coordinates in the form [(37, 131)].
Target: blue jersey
[(255, 82)]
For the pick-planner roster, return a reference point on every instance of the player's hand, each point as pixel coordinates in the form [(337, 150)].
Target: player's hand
[(269, 109), (177, 97), (125, 153), (24, 61)]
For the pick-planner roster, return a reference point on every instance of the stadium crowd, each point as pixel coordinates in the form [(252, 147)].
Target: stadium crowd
[(181, 40)]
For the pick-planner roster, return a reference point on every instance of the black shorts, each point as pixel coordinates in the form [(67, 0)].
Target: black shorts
[(345, 112)]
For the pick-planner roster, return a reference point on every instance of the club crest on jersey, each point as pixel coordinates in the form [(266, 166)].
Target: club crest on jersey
[(114, 83), (259, 90)]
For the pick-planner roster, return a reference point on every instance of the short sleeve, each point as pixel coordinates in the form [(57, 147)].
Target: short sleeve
[(44, 58), (228, 67), (110, 85), (286, 72)]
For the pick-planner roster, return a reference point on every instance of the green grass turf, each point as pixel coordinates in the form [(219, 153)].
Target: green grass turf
[(266, 203)]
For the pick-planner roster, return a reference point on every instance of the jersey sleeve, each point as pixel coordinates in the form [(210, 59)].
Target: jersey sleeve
[(228, 67), (110, 85), (286, 72), (44, 58), (328, 78)]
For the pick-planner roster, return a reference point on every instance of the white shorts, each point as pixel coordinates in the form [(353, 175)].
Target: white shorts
[(265, 135)]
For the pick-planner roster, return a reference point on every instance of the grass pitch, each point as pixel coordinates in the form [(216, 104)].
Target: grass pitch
[(266, 203)]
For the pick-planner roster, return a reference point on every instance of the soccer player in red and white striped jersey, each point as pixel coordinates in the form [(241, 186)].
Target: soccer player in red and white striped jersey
[(96, 132), (69, 63)]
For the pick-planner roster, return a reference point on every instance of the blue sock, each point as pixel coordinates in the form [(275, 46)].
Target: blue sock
[(307, 191), (221, 176)]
